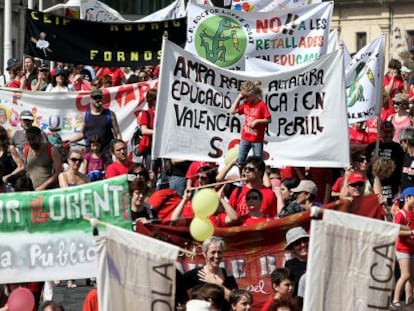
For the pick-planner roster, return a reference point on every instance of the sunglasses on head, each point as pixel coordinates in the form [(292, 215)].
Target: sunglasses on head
[(79, 160)]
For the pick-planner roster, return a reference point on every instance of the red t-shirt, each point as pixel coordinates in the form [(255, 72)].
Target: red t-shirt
[(116, 74), (269, 204), (116, 169), (371, 128), (267, 304), (405, 244), (358, 137), (253, 112)]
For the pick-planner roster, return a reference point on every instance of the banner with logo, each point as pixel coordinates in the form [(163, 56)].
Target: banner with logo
[(364, 76), (288, 37), (43, 235), (77, 41), (135, 270), (350, 263), (193, 120), (66, 109)]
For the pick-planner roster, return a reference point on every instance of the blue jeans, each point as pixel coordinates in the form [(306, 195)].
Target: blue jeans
[(178, 184), (245, 147)]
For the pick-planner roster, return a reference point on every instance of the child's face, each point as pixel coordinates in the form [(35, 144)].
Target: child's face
[(244, 304), (285, 288), (95, 147)]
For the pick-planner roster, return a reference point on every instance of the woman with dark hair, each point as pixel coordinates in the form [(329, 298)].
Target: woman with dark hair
[(393, 83), (284, 194), (121, 163), (17, 77), (12, 163), (60, 82), (140, 210), (137, 172)]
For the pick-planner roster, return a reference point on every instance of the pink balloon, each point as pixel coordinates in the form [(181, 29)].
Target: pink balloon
[(21, 299)]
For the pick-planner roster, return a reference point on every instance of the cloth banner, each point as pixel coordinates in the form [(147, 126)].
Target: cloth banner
[(287, 37), (268, 5), (66, 109), (77, 41), (307, 107), (350, 264), (43, 235), (135, 272), (253, 252), (94, 10), (364, 76)]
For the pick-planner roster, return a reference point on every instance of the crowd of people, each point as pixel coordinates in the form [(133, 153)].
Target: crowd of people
[(161, 190)]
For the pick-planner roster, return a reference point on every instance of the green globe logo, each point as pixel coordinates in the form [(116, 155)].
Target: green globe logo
[(220, 40)]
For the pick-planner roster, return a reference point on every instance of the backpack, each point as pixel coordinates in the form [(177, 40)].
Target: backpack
[(137, 137), (56, 140), (48, 148), (164, 202)]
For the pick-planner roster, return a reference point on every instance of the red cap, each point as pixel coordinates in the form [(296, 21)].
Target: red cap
[(356, 177)]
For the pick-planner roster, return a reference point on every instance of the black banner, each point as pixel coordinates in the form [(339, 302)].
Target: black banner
[(77, 41)]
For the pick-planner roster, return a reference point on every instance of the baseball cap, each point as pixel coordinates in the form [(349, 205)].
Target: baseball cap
[(356, 177), (407, 192), (97, 93), (26, 115), (10, 63), (306, 185), (295, 234), (405, 69)]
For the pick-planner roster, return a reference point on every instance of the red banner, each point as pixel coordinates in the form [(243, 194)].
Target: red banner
[(253, 252)]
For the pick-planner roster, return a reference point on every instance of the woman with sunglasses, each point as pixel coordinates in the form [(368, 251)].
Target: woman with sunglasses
[(69, 178), (140, 209), (400, 119), (254, 216), (72, 176)]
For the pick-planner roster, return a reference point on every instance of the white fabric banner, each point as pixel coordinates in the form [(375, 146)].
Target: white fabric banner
[(66, 109), (350, 264), (269, 5), (364, 76), (307, 107), (94, 10), (288, 37), (135, 272)]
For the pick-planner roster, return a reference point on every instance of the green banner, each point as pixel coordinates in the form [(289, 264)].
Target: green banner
[(63, 209)]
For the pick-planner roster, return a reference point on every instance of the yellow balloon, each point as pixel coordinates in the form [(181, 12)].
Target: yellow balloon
[(201, 229), (205, 203), (231, 155)]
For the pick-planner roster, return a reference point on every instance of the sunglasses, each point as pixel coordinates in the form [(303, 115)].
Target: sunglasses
[(357, 184), (97, 97), (403, 141), (300, 241), (253, 197), (79, 160), (201, 177), (362, 159), (250, 169)]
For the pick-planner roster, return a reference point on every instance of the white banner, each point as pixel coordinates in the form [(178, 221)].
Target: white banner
[(66, 109), (364, 76), (350, 264), (269, 5), (135, 272), (288, 37), (175, 10), (307, 107)]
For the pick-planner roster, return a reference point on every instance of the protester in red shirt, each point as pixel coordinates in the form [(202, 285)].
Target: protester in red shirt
[(405, 249), (254, 201), (357, 135), (118, 77), (393, 83), (282, 285), (121, 164), (257, 116)]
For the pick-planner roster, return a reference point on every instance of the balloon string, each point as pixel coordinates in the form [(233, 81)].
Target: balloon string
[(217, 184)]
